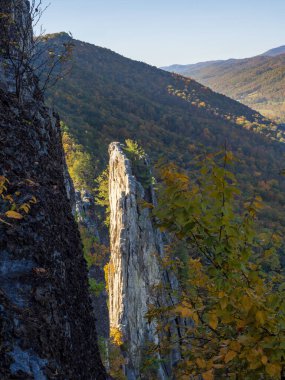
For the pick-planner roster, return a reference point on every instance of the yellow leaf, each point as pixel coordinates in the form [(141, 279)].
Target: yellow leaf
[(213, 321), (218, 357), (195, 317), (230, 356), (229, 156), (260, 317), (208, 375), (273, 369), (223, 303), (9, 198), (223, 351), (254, 364), (184, 311), (264, 359), (25, 207), (246, 303), (201, 363), (241, 324), (252, 266), (235, 346), (218, 366), (13, 215)]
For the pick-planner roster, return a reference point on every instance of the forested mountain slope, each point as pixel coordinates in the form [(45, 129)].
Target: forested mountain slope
[(258, 82), (108, 97)]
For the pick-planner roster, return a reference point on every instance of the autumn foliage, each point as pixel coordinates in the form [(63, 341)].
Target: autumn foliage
[(232, 286), (10, 209)]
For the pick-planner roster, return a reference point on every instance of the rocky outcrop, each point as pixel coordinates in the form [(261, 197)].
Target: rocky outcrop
[(86, 213), (134, 270), (47, 325)]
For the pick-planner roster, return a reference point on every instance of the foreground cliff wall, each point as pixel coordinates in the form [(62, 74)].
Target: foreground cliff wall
[(47, 325), (46, 316), (134, 270)]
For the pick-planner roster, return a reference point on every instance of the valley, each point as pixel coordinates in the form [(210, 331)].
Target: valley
[(258, 82)]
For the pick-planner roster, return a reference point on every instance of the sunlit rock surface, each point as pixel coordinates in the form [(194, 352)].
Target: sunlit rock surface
[(134, 270)]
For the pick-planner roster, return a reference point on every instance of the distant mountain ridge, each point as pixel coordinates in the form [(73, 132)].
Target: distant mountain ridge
[(274, 52), (258, 82)]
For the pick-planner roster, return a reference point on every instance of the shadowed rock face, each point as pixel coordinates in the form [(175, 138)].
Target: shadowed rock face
[(16, 45), (46, 314), (47, 326), (134, 268)]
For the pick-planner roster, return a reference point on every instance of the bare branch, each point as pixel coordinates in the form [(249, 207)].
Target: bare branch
[(26, 55)]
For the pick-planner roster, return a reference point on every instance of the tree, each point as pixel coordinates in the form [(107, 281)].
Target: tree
[(102, 194), (20, 49), (81, 165), (52, 62), (232, 287), (138, 159)]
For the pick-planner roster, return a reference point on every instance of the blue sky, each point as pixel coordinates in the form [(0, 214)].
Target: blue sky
[(163, 32)]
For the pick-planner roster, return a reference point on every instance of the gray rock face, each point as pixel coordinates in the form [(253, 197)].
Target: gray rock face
[(85, 211), (16, 44), (134, 268), (47, 325)]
